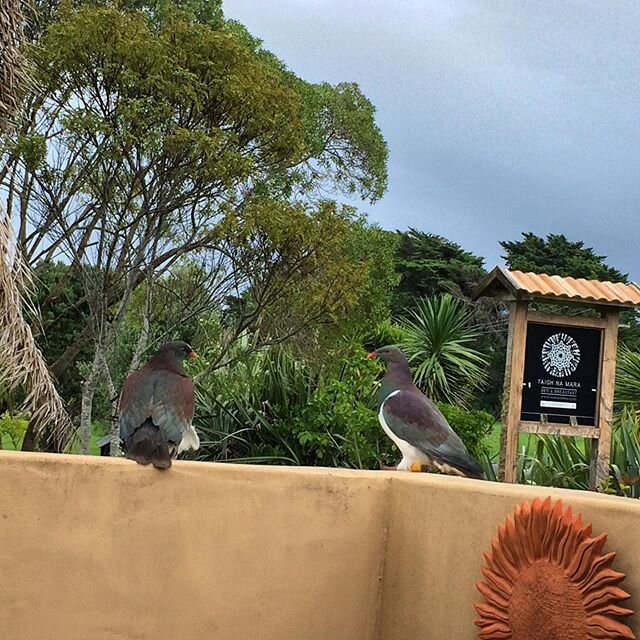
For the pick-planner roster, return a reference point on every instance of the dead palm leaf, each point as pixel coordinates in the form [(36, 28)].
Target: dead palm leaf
[(21, 362), (13, 74)]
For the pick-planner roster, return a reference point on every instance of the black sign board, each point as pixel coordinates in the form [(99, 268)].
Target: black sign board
[(561, 372)]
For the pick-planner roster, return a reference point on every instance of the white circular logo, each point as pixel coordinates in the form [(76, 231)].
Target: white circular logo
[(560, 355)]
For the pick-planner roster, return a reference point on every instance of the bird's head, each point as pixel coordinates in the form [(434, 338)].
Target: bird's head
[(179, 350), (388, 354)]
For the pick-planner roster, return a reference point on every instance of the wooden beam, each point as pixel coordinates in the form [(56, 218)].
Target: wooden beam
[(504, 413), (512, 401), (601, 448), (570, 321), (577, 302), (558, 429)]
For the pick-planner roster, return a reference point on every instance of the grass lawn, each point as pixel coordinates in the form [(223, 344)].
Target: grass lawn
[(7, 444), (93, 447), (526, 440)]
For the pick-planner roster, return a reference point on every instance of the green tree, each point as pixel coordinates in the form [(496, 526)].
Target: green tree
[(21, 363), (557, 255), (161, 123), (63, 311), (439, 342), (300, 275), (159, 128), (371, 251), (429, 265)]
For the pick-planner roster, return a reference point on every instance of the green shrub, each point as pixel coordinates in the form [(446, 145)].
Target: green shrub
[(339, 425), (556, 462), (14, 427), (472, 427), (385, 332), (625, 455), (272, 408)]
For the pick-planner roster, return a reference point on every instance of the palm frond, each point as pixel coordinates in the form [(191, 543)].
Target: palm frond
[(21, 361), (13, 75), (628, 378), (438, 340)]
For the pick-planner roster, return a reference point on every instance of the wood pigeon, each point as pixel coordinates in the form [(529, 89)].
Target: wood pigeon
[(416, 425), (156, 408)]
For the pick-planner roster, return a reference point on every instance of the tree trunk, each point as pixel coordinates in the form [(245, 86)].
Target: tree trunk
[(88, 391), (115, 450), (13, 79), (66, 360), (29, 440)]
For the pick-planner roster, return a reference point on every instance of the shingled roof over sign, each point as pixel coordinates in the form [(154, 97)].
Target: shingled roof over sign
[(505, 284)]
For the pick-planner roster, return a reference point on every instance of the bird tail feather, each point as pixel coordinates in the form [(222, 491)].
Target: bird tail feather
[(190, 440), (466, 465), (147, 445), (472, 469)]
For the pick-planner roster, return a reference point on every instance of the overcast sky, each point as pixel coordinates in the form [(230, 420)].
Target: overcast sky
[(501, 116)]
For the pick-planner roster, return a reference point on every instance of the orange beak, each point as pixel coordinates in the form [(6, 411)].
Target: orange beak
[(192, 355), (372, 355)]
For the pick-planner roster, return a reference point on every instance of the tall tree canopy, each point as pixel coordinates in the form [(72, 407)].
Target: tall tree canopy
[(155, 123), (158, 132), (557, 255), (429, 265), (21, 363)]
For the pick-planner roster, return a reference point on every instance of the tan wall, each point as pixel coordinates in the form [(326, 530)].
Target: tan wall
[(101, 549), (442, 525)]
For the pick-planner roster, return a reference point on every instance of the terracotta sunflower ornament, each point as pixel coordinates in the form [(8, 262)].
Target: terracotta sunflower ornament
[(546, 579)]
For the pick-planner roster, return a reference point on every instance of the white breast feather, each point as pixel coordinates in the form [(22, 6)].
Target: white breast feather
[(410, 454)]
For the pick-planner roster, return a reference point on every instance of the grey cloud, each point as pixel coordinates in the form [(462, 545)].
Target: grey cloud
[(501, 116)]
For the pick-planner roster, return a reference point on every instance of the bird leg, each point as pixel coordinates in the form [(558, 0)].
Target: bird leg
[(416, 467)]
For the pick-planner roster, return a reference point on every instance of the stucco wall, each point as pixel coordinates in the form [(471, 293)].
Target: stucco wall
[(101, 549), (442, 525)]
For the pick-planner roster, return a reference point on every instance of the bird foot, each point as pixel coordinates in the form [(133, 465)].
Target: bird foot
[(416, 467)]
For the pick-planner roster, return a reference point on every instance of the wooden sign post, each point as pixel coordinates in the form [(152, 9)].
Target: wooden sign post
[(560, 370)]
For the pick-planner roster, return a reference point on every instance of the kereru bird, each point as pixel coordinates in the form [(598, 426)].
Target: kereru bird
[(416, 425), (156, 408)]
